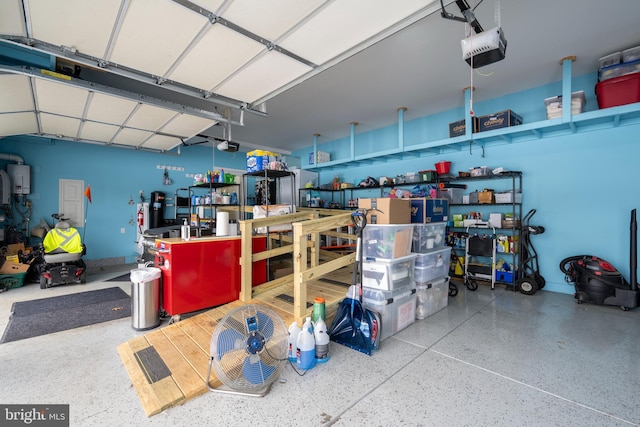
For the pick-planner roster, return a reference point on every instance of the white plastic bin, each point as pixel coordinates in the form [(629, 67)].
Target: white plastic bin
[(427, 237), (397, 308), (145, 298), (388, 275), (431, 297), (388, 241), (433, 265)]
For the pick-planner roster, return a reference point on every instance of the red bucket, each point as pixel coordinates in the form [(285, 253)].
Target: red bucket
[(443, 167)]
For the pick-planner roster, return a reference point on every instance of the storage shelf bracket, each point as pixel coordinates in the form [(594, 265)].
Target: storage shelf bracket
[(566, 62), (401, 111), (352, 135)]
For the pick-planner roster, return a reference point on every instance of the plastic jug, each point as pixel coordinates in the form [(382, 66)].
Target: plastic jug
[(306, 347), (318, 309), (294, 331), (321, 337)]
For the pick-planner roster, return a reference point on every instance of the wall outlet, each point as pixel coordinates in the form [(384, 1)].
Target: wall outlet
[(122, 230)]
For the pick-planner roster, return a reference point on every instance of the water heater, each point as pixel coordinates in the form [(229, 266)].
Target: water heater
[(20, 176)]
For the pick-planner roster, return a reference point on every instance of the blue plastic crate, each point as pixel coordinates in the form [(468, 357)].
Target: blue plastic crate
[(505, 276)]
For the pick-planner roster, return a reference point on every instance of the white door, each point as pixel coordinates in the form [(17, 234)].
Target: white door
[(71, 200)]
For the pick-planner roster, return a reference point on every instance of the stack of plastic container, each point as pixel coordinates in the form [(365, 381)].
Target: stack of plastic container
[(431, 270), (387, 275)]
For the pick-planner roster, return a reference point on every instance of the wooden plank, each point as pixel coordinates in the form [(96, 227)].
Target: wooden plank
[(148, 398), (272, 284), (193, 354), (270, 221), (286, 315), (345, 236), (327, 267), (219, 312), (166, 390), (191, 328), (154, 397), (186, 378), (246, 272), (299, 265), (207, 323), (322, 211), (325, 224), (272, 253)]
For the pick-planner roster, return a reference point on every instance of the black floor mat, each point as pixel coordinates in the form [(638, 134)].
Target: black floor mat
[(121, 278), (44, 316)]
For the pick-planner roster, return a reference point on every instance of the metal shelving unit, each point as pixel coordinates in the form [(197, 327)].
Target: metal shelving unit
[(211, 207), (513, 184)]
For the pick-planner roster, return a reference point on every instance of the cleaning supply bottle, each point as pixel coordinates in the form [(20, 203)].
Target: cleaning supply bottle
[(294, 331), (306, 347), (318, 309), (321, 337), (222, 175)]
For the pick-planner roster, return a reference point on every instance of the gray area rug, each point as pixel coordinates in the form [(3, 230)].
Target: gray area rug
[(48, 315)]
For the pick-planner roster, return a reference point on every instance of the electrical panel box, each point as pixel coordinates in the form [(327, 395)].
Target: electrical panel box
[(20, 176)]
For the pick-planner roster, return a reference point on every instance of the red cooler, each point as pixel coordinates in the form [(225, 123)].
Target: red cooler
[(618, 91)]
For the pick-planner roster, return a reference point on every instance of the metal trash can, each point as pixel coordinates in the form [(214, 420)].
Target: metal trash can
[(145, 298)]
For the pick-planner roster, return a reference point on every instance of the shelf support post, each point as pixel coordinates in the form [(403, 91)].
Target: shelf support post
[(467, 112), (353, 139), (566, 87), (315, 149), (401, 111)]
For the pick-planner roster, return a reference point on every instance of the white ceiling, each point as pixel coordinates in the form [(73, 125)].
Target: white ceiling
[(320, 65)]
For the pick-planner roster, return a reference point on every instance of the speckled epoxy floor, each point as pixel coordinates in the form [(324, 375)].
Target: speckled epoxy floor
[(489, 358)]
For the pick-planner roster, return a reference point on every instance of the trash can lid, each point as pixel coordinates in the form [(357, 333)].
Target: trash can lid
[(145, 274)]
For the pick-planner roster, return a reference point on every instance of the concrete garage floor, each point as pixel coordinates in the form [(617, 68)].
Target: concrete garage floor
[(490, 358)]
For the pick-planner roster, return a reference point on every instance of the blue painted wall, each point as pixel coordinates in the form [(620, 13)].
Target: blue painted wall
[(115, 175), (582, 185)]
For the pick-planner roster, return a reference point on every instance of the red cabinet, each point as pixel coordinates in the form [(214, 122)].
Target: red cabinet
[(203, 273)]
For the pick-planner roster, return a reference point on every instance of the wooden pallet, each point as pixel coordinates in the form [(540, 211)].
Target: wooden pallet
[(168, 366)]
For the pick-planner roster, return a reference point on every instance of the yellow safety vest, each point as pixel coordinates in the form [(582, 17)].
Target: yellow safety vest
[(68, 240)]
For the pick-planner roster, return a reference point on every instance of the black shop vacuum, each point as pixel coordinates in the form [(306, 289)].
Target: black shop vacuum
[(599, 282)]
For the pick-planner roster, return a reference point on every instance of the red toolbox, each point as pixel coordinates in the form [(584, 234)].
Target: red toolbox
[(618, 91)]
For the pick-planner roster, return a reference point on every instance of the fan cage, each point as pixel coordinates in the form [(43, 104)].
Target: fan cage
[(232, 361)]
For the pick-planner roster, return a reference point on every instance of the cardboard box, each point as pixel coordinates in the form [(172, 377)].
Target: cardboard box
[(14, 248), (425, 210), (498, 120), (485, 197), (13, 268), (385, 210), (460, 127)]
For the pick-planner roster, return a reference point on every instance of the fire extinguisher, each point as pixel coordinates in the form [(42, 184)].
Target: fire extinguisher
[(140, 218)]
